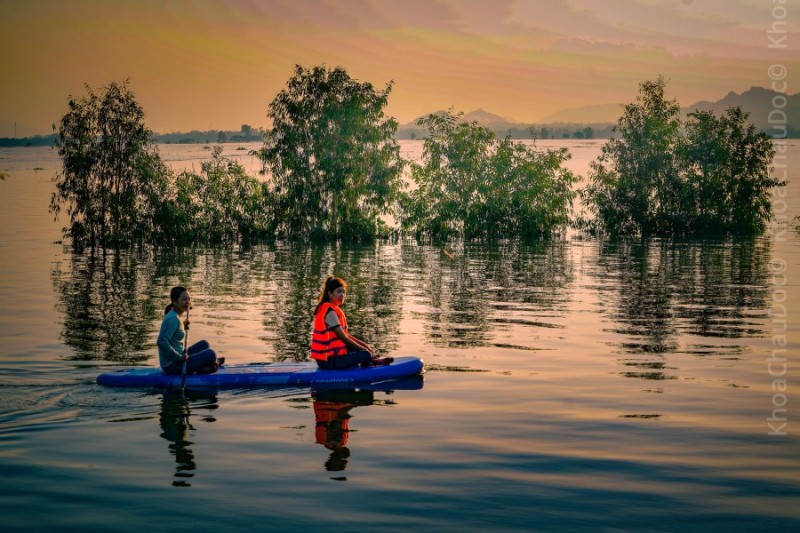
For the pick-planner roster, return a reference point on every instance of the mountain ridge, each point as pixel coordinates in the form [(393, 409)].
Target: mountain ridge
[(769, 110)]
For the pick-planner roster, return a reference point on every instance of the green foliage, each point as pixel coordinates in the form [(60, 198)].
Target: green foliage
[(334, 163), (222, 204), (471, 185), (110, 169), (117, 191), (727, 164), (100, 299), (655, 180), (635, 179)]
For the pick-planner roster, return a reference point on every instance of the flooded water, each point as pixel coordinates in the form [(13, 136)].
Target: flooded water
[(571, 385)]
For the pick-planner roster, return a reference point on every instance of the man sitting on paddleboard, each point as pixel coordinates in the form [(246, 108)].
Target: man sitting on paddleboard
[(331, 345)]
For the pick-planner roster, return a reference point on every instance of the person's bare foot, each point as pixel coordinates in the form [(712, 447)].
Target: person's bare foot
[(210, 369)]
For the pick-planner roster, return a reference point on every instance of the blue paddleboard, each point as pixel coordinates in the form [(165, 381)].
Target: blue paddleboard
[(285, 373)]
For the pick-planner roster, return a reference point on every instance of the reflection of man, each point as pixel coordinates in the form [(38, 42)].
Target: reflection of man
[(175, 426), (332, 411)]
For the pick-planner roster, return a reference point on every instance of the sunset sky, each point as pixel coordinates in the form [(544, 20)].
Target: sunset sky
[(207, 64)]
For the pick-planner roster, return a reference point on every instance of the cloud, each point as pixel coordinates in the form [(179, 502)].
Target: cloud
[(714, 27), (219, 62)]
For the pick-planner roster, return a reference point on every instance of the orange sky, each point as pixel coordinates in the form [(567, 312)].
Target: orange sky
[(217, 64)]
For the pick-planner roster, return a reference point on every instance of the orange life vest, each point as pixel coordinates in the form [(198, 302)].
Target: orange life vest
[(333, 423), (324, 342)]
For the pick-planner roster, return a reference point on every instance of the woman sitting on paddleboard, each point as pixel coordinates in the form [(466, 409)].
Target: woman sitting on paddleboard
[(332, 346), (200, 358)]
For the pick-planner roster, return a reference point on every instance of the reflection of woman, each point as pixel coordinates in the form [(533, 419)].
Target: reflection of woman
[(332, 346), (199, 357), (175, 426), (332, 413)]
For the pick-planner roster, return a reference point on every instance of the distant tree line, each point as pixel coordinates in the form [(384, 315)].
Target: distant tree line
[(333, 171), (247, 133), (557, 130), (36, 140)]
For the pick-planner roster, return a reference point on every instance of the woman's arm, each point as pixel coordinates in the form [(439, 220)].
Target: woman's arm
[(167, 331), (362, 344), (350, 341), (332, 322)]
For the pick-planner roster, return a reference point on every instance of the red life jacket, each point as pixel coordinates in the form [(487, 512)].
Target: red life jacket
[(333, 423), (324, 342)]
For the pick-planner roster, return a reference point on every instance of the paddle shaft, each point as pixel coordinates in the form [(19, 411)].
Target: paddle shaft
[(185, 350)]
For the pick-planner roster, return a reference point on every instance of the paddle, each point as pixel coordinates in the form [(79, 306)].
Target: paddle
[(185, 349)]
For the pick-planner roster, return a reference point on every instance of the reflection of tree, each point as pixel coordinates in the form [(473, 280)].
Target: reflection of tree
[(101, 297), (644, 275), (175, 426), (112, 300), (728, 289), (664, 289), (332, 413), (469, 288), (231, 276)]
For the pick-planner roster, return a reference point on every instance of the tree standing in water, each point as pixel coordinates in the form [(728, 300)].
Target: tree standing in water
[(332, 157), (470, 184), (663, 176), (112, 176), (635, 181), (727, 164)]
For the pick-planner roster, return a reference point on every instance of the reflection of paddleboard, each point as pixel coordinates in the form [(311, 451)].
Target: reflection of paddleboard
[(286, 373), (406, 383)]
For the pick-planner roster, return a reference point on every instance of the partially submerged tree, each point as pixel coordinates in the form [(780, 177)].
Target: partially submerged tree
[(636, 178), (709, 175), (222, 204), (334, 163), (111, 170), (727, 165), (470, 184)]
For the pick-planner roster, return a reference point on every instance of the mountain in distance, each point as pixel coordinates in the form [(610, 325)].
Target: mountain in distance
[(484, 118), (572, 122), (585, 122), (597, 114), (758, 101), (517, 130)]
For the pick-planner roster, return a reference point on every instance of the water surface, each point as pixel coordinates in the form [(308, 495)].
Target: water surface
[(573, 384)]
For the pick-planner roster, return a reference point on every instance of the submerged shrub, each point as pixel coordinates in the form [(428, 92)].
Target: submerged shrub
[(656, 179), (222, 204), (111, 171), (727, 165), (117, 191), (331, 154), (470, 184), (635, 180)]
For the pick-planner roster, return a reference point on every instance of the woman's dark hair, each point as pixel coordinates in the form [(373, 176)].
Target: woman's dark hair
[(174, 294), (330, 284)]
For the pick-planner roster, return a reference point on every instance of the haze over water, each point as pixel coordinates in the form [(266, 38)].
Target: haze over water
[(572, 384)]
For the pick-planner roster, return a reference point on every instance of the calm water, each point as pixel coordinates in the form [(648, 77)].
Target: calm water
[(571, 385)]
